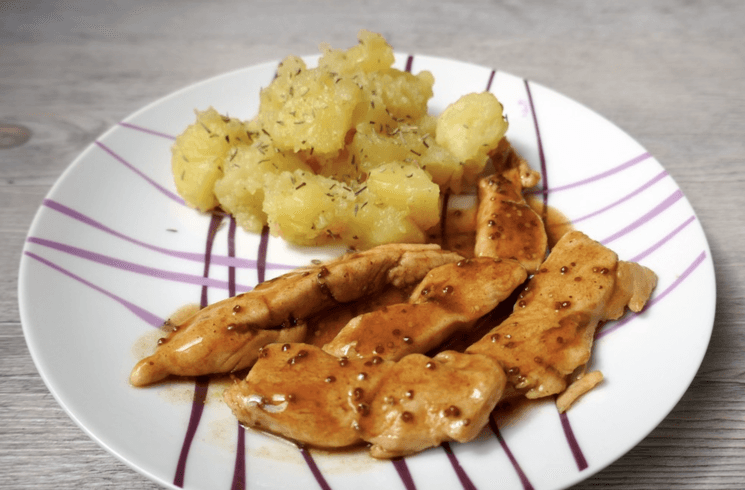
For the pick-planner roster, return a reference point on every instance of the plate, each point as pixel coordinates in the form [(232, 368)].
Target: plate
[(113, 251)]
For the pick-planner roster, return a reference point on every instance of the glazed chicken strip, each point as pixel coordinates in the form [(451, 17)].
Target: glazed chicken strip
[(311, 397), (226, 336), (423, 402), (449, 299), (551, 331), (323, 327), (506, 226)]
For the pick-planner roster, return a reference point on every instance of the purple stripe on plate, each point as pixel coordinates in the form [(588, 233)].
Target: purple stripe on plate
[(579, 458), (444, 219), (141, 174), (599, 176), (314, 469), (141, 313), (409, 63), (211, 233), (197, 407), (193, 256), (663, 241), (146, 130), (462, 476), (239, 469), (202, 382), (491, 80), (689, 270), (539, 142), (660, 208), (231, 254), (523, 478), (403, 472), (131, 266), (261, 259), (67, 211), (625, 198)]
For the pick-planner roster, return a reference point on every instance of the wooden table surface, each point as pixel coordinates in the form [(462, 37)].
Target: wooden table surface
[(670, 73)]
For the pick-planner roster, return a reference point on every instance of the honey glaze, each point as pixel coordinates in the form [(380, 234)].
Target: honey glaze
[(354, 458), (456, 230), (556, 224), (462, 340), (340, 461), (515, 409), (146, 344)]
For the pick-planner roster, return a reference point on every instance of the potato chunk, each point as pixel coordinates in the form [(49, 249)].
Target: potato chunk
[(470, 129), (199, 153)]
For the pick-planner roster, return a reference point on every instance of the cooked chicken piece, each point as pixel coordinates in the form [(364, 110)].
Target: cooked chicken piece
[(225, 336), (634, 286), (578, 388), (309, 396), (323, 327), (422, 402), (449, 299), (550, 333), (505, 157), (554, 221), (302, 393), (506, 226)]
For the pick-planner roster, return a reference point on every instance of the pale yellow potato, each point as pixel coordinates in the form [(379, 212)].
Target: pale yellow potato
[(199, 153), (247, 170), (345, 151), (395, 201), (470, 129), (306, 109), (372, 53), (407, 188), (301, 206)]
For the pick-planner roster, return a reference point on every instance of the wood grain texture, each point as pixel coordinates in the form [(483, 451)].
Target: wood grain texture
[(670, 73)]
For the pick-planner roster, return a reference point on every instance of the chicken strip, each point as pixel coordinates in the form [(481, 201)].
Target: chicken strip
[(225, 336), (506, 226), (423, 401), (551, 331), (302, 393), (306, 395), (449, 299), (505, 158), (323, 327)]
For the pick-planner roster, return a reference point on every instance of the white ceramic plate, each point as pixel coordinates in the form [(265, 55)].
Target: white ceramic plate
[(113, 251)]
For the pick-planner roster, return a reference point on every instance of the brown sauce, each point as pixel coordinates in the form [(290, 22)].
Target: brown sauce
[(512, 410), (459, 227), (556, 224), (145, 345)]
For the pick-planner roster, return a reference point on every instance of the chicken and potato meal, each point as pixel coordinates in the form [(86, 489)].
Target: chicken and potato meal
[(354, 350)]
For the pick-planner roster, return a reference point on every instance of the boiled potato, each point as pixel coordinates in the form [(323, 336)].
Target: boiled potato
[(199, 154), (408, 188), (471, 128), (307, 109), (345, 151), (247, 170)]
